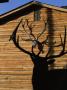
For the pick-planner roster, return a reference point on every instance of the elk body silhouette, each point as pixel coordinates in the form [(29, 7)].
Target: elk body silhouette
[(40, 78)]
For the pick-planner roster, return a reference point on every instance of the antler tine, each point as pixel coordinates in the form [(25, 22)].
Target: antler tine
[(15, 39), (46, 42), (42, 30), (11, 36), (64, 40), (23, 25), (63, 43), (49, 50), (30, 28), (18, 39), (61, 40)]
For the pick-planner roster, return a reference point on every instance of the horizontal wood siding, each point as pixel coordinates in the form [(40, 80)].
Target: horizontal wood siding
[(15, 66)]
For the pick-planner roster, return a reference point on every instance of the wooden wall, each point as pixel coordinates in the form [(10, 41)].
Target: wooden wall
[(15, 66)]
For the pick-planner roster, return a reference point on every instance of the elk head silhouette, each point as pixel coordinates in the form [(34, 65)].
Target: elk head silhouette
[(40, 71)]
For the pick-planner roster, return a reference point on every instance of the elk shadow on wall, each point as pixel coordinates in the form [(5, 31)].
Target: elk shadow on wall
[(42, 78)]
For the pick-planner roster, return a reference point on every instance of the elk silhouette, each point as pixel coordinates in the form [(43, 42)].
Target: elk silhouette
[(40, 77)]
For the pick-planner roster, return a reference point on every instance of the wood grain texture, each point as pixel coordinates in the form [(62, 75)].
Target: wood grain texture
[(16, 67)]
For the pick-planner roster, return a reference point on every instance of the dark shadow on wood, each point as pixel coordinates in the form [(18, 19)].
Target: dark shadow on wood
[(42, 78), (2, 1), (19, 13), (50, 28), (50, 31), (58, 79), (40, 73)]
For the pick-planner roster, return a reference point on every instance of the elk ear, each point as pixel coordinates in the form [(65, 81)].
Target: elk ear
[(51, 61)]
